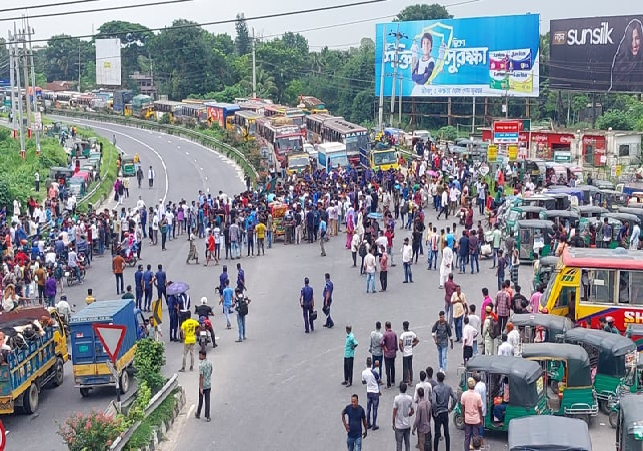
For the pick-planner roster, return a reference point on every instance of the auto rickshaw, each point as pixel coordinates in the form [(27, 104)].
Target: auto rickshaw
[(537, 200), (628, 218), (578, 193), (562, 199), (603, 184), (612, 357), (636, 211), (611, 199), (590, 211), (638, 383), (569, 375), (629, 428), (60, 174), (546, 267), (521, 212), (128, 167), (541, 327), (533, 235), (565, 218), (77, 186), (527, 394), (585, 224), (544, 433)]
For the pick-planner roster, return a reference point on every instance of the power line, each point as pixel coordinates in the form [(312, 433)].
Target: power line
[(227, 21), (111, 8), (49, 5)]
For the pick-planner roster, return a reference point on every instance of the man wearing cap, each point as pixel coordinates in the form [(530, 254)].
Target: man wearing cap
[(472, 411), (307, 303)]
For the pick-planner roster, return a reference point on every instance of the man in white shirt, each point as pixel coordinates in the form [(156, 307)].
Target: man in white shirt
[(475, 322), (634, 239), (402, 413), (370, 267), (407, 257), (469, 334), (150, 177), (370, 378), (424, 384), (505, 348), (408, 340)]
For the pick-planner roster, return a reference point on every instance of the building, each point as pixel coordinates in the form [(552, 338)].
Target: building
[(59, 86), (145, 84)]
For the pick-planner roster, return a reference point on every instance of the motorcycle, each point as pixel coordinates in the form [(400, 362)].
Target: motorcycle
[(70, 274), (129, 255), (204, 339)]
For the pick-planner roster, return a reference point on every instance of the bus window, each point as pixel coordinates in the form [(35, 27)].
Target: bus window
[(601, 286), (566, 297), (629, 287)]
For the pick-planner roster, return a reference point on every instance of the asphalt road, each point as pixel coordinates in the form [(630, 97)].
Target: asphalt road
[(281, 388)]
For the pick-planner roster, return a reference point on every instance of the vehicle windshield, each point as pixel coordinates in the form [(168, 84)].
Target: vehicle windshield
[(298, 162), (252, 127), (547, 293), (384, 157), (298, 120), (338, 160), (289, 144)]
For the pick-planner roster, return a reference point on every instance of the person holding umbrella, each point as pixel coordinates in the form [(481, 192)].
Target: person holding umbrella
[(179, 291)]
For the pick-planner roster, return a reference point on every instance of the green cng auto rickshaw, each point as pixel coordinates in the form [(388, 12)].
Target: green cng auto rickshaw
[(541, 328), (569, 375), (629, 430), (546, 267), (613, 359), (524, 379), (533, 235), (128, 167), (636, 211), (634, 379), (590, 211), (537, 200), (625, 218), (564, 218), (597, 223), (612, 199), (521, 212), (544, 433)]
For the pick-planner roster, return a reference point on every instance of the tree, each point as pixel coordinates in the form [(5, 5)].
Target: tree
[(4, 60), (616, 120), (423, 12), (62, 57), (242, 41)]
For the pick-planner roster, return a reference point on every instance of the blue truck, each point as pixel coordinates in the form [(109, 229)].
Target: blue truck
[(89, 358)]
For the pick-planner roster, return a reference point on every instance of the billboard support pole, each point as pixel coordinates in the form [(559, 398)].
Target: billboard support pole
[(397, 45), (381, 105), (473, 118), (399, 107)]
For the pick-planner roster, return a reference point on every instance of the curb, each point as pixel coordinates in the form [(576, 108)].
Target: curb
[(159, 432)]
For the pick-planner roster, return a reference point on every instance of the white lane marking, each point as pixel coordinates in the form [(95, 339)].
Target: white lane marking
[(187, 153)]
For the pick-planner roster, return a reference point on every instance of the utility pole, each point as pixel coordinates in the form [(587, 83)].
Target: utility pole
[(399, 107), (25, 69), (473, 118), (37, 116), (382, 68), (79, 67), (14, 38), (397, 35), (254, 66), (12, 79)]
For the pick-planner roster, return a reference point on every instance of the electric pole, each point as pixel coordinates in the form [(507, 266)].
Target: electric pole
[(16, 64), (79, 67), (25, 74), (382, 68), (254, 66), (12, 80), (37, 116), (397, 35)]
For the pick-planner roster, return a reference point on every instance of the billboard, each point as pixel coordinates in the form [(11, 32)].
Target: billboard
[(108, 62), (472, 57), (597, 54)]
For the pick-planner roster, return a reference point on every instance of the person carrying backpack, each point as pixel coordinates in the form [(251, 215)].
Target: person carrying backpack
[(490, 331), (363, 251)]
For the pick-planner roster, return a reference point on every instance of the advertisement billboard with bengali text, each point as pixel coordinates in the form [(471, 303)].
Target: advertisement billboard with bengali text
[(470, 57), (597, 54)]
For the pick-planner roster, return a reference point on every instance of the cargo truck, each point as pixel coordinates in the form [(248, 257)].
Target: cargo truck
[(331, 155), (379, 158), (89, 358), (38, 362)]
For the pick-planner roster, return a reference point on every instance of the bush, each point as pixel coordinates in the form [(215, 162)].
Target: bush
[(148, 361), (91, 432), (448, 133)]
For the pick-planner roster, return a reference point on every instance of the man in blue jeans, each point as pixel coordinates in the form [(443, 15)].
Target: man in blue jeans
[(356, 420)]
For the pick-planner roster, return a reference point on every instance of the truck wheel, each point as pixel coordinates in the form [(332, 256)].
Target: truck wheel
[(124, 382), (614, 418), (84, 392), (59, 368), (30, 399)]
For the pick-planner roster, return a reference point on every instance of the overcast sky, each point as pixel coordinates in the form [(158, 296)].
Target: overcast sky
[(342, 34)]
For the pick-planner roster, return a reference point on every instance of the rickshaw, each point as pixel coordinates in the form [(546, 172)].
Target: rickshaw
[(541, 327), (585, 223), (613, 359), (629, 428), (128, 167), (555, 174), (565, 218), (527, 394), (521, 212), (533, 235), (544, 433), (546, 266), (635, 199), (569, 375), (535, 168), (590, 211)]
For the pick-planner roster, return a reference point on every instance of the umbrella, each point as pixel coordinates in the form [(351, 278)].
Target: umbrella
[(177, 288), (375, 215), (432, 174)]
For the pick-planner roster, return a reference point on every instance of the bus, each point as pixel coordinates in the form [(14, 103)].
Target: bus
[(353, 136), (284, 139), (592, 283), (312, 105), (221, 114), (298, 117), (315, 125), (256, 106), (245, 124), (167, 107)]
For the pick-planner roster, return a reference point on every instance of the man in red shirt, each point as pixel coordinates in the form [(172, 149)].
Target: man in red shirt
[(210, 250)]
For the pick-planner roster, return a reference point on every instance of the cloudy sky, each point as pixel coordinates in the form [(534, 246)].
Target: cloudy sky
[(341, 28)]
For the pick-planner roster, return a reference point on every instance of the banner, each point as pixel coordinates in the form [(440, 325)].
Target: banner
[(472, 57), (597, 54), (492, 152), (108, 62), (513, 152)]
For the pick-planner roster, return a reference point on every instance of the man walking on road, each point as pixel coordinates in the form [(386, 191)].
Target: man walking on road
[(349, 356), (188, 334), (328, 300), (371, 379), (402, 413), (441, 332), (118, 266), (407, 257), (150, 177), (472, 412), (205, 385), (442, 394), (408, 340), (307, 303), (356, 419), (389, 347)]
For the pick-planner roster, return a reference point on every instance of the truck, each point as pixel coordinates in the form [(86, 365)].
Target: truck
[(331, 155), (411, 138), (297, 163), (89, 358), (121, 98), (381, 157), (37, 362)]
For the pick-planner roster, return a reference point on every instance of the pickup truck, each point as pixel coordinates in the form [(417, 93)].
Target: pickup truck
[(35, 361), (89, 358)]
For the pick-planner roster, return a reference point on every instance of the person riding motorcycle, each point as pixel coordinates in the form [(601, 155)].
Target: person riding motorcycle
[(204, 311)]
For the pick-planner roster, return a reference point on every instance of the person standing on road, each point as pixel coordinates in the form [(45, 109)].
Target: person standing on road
[(173, 313), (389, 348), (481, 389), (328, 300), (188, 336), (241, 278), (205, 384), (441, 332), (150, 177), (370, 267), (443, 403), (148, 278), (407, 257), (371, 379), (307, 304), (322, 234), (118, 266), (226, 300), (402, 413), (472, 412), (356, 420), (446, 265), (241, 304), (160, 280), (349, 356), (376, 348), (408, 340), (383, 269), (423, 417)]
